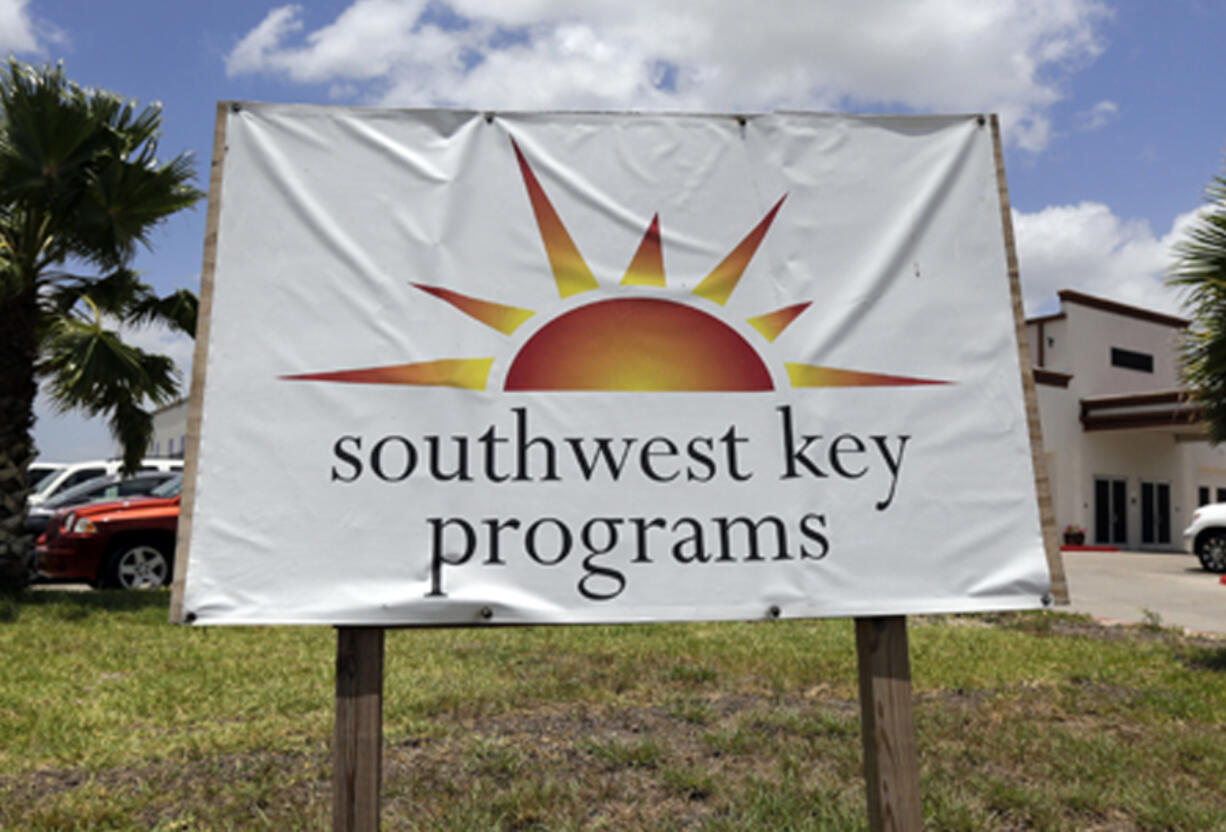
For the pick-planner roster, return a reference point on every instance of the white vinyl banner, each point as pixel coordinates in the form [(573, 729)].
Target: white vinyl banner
[(555, 367)]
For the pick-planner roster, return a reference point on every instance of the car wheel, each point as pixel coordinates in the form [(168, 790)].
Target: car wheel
[(138, 564), (1211, 549)]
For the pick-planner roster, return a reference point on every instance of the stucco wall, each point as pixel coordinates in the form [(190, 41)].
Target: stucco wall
[(1086, 352), (170, 430)]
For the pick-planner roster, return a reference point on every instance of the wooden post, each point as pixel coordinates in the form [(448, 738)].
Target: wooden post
[(358, 752), (891, 764)]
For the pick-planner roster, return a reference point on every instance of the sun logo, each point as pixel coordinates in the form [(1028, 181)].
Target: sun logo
[(621, 344)]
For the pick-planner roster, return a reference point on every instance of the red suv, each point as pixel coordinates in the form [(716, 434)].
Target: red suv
[(128, 544)]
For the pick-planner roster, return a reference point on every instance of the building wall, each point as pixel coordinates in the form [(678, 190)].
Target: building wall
[(1090, 335), (170, 431), (1054, 349), (1058, 417), (1205, 467), (1078, 342)]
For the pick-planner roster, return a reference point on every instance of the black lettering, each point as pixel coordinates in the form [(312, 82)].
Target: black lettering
[(791, 455), (587, 465), (645, 457), (642, 524), (495, 528), (461, 467), (730, 439), (489, 440), (594, 572), (702, 459), (697, 549), (893, 463), (438, 556), (524, 444), (564, 541), (355, 461), (837, 452), (725, 525), (807, 529), (376, 458)]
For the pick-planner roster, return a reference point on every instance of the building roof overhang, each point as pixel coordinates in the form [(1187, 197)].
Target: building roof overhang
[(1117, 308), (1051, 377), (1167, 411)]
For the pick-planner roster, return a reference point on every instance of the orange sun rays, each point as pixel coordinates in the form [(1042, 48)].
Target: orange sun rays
[(626, 344)]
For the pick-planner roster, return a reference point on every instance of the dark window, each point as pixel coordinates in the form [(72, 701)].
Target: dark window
[(81, 476), (1221, 495), (1202, 495), (1142, 361)]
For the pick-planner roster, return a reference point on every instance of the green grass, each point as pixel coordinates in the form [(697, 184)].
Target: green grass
[(111, 719)]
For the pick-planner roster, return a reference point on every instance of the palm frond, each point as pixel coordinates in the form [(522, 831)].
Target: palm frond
[(90, 368), (115, 294), (1200, 270), (177, 310), (132, 427)]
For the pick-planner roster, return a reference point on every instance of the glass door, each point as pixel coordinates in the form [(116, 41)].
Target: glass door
[(1155, 512), (1110, 510)]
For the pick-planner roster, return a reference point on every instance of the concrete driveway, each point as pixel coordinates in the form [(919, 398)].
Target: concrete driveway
[(1121, 586)]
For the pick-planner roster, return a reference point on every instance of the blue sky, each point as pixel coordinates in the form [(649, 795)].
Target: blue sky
[(1113, 111)]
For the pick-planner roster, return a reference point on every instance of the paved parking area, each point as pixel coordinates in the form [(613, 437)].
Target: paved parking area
[(1121, 586)]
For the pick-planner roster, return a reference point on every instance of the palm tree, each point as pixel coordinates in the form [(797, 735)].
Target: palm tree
[(1200, 268), (80, 188)]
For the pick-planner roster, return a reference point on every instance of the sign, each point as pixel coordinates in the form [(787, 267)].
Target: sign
[(545, 368)]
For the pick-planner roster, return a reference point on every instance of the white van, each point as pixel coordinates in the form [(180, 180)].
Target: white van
[(78, 472)]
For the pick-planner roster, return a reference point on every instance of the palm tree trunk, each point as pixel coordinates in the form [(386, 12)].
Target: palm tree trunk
[(18, 347)]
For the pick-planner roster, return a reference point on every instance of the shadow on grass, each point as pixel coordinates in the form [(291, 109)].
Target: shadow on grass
[(1206, 658), (75, 605)]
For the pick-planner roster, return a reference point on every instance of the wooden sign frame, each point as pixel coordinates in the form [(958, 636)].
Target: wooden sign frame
[(891, 768)]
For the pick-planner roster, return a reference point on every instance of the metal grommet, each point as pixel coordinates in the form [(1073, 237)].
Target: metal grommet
[(1048, 600), (236, 107), (981, 121), (741, 120), (190, 618), (487, 613), (489, 118), (773, 611)]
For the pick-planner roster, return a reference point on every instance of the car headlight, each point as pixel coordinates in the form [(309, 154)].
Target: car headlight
[(80, 525)]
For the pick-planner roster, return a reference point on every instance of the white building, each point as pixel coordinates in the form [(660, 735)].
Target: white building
[(170, 431), (1126, 451)]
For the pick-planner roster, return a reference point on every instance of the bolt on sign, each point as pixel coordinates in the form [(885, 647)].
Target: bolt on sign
[(553, 367)]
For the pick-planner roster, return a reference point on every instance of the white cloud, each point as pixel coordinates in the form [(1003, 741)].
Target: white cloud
[(17, 31), (1009, 56), (1088, 248), (256, 51), (1100, 115)]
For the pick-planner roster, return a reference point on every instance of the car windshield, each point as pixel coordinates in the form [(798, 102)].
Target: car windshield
[(80, 493), (38, 474), (106, 488), (170, 488)]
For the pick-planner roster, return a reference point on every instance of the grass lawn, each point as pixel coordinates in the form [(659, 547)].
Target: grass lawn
[(112, 719)]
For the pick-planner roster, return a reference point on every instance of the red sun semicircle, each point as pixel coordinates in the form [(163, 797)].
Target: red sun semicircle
[(637, 345)]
